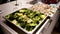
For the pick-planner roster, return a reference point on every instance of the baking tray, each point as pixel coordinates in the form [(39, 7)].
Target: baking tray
[(23, 31)]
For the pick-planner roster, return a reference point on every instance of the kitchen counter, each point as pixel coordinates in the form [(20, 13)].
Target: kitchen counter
[(10, 7)]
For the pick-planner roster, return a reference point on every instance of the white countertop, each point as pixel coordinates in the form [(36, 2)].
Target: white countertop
[(10, 7)]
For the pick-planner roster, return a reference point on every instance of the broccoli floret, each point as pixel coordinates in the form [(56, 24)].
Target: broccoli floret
[(32, 24), (14, 22), (36, 18), (7, 17), (29, 20), (42, 16)]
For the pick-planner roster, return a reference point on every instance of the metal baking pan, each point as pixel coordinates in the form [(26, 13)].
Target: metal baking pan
[(25, 31)]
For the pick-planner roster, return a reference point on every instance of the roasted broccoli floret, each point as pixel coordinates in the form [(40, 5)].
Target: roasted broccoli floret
[(42, 16)]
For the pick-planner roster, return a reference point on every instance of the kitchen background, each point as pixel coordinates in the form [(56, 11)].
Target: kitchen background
[(8, 7)]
